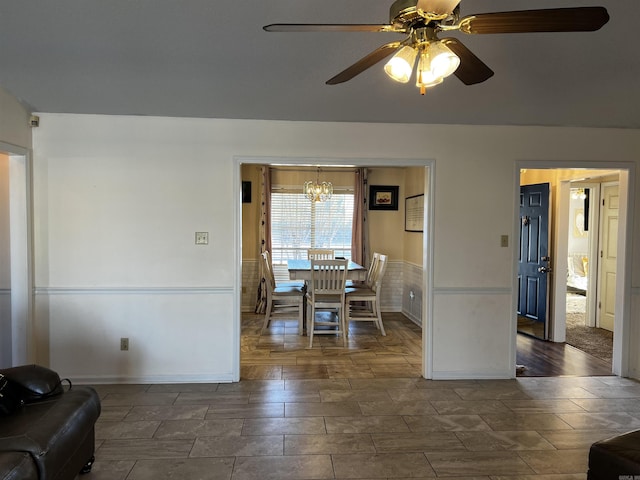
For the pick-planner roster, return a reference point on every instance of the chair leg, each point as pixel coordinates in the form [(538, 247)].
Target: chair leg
[(301, 309), (347, 317), (267, 316), (376, 309), (344, 321), (311, 324)]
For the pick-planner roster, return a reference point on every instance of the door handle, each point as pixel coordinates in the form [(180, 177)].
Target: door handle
[(544, 269)]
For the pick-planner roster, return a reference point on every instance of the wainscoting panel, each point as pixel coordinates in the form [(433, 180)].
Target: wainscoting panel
[(175, 334), (250, 272), (412, 294), (479, 321), (400, 279), (5, 327), (392, 285), (634, 334)]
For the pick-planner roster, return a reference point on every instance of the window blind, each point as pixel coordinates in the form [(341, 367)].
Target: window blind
[(298, 224)]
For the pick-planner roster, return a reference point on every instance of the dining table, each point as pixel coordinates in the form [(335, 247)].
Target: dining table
[(301, 270)]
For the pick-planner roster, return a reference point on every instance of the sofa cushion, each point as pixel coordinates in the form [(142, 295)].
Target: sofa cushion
[(17, 466), (615, 457), (51, 430)]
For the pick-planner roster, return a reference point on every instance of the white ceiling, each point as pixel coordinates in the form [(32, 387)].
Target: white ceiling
[(211, 58)]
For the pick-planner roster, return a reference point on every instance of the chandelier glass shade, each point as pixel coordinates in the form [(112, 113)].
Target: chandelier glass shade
[(317, 191), (436, 61), (578, 194), (425, 76)]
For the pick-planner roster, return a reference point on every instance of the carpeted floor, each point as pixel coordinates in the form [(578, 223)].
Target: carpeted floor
[(595, 341)]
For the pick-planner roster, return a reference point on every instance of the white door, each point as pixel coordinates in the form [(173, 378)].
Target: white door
[(608, 255)]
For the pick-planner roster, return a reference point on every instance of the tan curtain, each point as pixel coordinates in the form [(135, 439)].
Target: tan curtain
[(359, 229), (265, 235)]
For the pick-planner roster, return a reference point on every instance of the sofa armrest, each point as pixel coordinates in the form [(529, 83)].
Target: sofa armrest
[(52, 430)]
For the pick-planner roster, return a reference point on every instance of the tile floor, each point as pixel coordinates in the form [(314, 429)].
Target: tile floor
[(356, 419)]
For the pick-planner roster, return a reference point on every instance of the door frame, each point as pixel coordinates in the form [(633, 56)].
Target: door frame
[(621, 338), (427, 242), (21, 256)]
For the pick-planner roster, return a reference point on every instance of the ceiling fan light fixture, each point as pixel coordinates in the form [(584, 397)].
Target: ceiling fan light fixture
[(401, 64), (425, 76), (443, 62)]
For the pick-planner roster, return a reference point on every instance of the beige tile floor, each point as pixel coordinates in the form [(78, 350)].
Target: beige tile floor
[(376, 425)]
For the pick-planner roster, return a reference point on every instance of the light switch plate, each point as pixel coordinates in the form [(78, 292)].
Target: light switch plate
[(202, 238)]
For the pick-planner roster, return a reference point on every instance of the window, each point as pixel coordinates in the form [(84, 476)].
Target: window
[(298, 224)]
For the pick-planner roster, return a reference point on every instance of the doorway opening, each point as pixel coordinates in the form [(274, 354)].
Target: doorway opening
[(591, 266), (586, 291), (413, 271)]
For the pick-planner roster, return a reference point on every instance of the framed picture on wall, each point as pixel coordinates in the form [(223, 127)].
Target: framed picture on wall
[(383, 197), (414, 213)]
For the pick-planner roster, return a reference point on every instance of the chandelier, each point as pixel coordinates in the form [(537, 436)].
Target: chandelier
[(435, 60), (316, 191), (578, 194)]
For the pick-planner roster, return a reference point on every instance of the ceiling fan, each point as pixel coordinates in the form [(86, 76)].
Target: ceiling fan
[(423, 20)]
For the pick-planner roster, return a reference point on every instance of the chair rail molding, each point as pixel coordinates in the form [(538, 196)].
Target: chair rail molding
[(132, 290)]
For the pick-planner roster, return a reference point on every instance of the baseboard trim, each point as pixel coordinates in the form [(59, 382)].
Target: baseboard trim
[(444, 375), (412, 317), (148, 379)]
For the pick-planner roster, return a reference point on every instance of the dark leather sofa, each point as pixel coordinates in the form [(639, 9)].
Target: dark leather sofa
[(615, 458), (52, 436)]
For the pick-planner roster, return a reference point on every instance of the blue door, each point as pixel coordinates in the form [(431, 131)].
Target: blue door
[(533, 263)]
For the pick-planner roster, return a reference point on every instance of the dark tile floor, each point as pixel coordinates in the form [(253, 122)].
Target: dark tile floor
[(329, 418)]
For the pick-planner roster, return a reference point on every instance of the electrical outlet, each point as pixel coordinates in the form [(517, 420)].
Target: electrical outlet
[(124, 344), (504, 240), (202, 238)]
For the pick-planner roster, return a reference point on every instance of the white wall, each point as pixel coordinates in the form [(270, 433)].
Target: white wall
[(118, 199), (14, 121)]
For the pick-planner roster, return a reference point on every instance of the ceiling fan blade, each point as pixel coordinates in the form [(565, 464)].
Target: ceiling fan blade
[(437, 7), (577, 19), (361, 65), (471, 69), (322, 27)]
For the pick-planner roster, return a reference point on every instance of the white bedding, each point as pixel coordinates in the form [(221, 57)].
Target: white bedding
[(578, 267)]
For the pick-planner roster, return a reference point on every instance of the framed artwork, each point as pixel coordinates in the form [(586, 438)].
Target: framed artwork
[(246, 192), (414, 213), (383, 197), (579, 223)]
